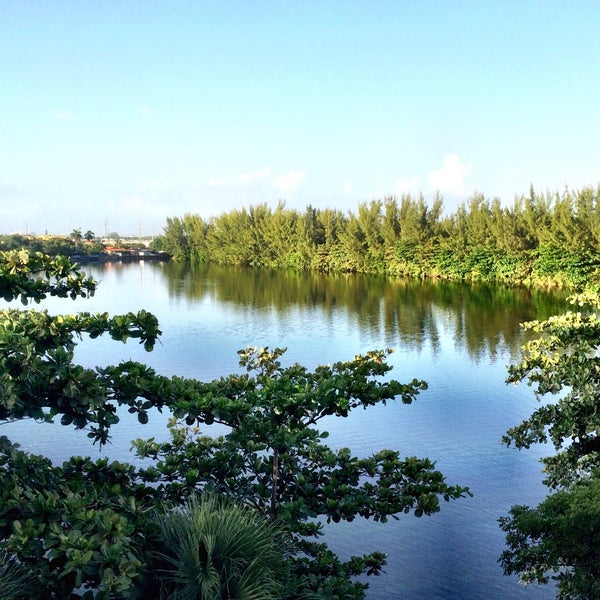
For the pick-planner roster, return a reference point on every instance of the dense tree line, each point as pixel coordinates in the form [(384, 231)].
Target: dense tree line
[(76, 244), (53, 245), (549, 238)]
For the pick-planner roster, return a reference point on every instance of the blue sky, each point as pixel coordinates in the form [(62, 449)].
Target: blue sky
[(128, 112)]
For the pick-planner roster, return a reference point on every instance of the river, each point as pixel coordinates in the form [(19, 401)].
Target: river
[(458, 337)]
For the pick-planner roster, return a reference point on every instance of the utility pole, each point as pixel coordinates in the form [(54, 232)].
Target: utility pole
[(106, 229)]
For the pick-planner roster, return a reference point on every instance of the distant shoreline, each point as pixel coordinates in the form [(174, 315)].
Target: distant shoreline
[(121, 256)]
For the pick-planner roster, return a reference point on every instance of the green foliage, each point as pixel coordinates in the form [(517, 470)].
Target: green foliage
[(405, 260), (558, 540), (16, 581), (482, 240), (51, 245), (35, 276), (274, 458), (211, 549), (175, 240), (563, 358), (38, 378), (553, 262), (81, 528), (75, 526), (560, 536)]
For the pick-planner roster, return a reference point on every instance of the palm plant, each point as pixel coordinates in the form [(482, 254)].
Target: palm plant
[(210, 549), (76, 236), (16, 582)]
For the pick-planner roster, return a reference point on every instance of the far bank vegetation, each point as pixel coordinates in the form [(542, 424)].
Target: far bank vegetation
[(549, 238)]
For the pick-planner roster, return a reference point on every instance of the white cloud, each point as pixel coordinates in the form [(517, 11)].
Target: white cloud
[(131, 203), (347, 188), (64, 114), (289, 181), (452, 177), (254, 177), (218, 182), (152, 200), (254, 181), (242, 180), (407, 185), (156, 185), (376, 194)]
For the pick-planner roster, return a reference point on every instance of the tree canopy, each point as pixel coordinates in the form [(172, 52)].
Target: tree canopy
[(559, 538), (86, 528)]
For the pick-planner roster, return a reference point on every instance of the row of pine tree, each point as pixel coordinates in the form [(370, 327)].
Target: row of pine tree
[(541, 237)]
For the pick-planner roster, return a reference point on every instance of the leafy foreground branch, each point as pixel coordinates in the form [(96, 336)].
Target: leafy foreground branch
[(560, 538), (111, 530)]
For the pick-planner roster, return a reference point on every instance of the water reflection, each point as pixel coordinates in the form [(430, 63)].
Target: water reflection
[(482, 319)]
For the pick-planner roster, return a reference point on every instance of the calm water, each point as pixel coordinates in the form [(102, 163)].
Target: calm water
[(459, 338)]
